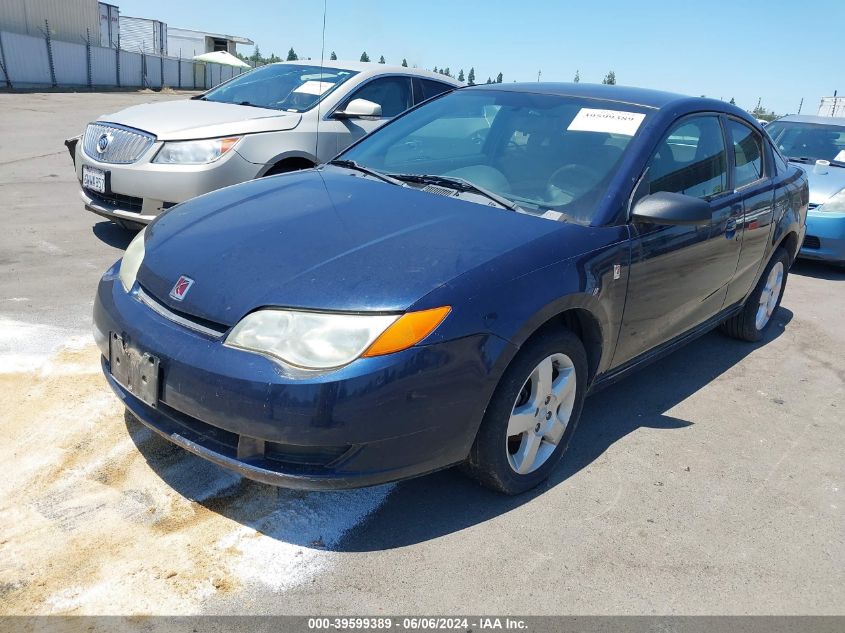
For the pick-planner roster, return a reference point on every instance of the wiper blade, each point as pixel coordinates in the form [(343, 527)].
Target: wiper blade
[(351, 164), (461, 184)]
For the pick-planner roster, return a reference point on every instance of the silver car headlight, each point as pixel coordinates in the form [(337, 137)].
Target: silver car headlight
[(195, 152), (131, 262), (834, 204), (321, 340)]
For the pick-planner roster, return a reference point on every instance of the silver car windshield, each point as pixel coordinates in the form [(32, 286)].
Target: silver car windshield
[(288, 87), (540, 152), (809, 142)]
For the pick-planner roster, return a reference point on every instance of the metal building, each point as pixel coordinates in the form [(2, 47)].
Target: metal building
[(832, 106), (69, 20), (186, 43), (143, 35)]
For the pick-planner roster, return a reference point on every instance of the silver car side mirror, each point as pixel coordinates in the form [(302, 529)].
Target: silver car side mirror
[(359, 108)]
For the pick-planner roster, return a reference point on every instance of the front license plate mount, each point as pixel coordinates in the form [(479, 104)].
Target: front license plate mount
[(95, 179), (134, 370)]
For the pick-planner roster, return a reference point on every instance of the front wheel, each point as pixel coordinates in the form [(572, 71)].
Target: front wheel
[(532, 414), (756, 315)]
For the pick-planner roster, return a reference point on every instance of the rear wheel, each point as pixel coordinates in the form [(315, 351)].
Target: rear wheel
[(532, 415), (756, 315)]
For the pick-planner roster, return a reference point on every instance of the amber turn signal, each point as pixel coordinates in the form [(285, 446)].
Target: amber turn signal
[(407, 330)]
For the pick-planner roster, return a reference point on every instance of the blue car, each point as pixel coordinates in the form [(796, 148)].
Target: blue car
[(818, 144), (449, 289)]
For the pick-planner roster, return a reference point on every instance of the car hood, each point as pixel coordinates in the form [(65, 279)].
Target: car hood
[(192, 118), (824, 183), (323, 240)]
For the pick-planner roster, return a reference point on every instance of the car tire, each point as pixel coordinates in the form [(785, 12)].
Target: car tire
[(536, 393), (756, 315)]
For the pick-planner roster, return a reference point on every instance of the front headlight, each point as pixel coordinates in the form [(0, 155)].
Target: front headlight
[(131, 262), (315, 340), (834, 204), (195, 152)]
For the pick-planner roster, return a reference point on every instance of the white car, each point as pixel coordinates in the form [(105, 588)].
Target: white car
[(135, 163)]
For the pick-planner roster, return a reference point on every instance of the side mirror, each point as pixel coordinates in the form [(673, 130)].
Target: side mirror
[(664, 207), (359, 108)]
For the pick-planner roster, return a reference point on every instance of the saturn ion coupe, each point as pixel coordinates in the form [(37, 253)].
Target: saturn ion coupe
[(450, 288)]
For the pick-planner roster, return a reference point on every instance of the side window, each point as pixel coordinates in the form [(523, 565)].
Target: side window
[(780, 163), (748, 153), (427, 88), (393, 94), (691, 159)]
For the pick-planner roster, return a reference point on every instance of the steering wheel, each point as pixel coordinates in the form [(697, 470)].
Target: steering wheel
[(570, 182)]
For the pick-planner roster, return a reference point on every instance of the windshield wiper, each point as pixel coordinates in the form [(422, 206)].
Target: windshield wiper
[(351, 164), (808, 160), (461, 185)]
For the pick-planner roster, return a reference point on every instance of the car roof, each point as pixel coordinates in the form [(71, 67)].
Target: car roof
[(808, 118), (372, 68), (621, 94)]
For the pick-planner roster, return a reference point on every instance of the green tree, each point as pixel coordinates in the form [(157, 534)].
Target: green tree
[(333, 56), (499, 78), (292, 56), (461, 75), (365, 57), (434, 70), (273, 58), (381, 60), (609, 79), (471, 77), (732, 101), (256, 56), (577, 76), (489, 81), (404, 62)]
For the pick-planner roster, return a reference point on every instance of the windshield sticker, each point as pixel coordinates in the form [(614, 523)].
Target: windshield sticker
[(314, 87), (840, 157), (610, 121)]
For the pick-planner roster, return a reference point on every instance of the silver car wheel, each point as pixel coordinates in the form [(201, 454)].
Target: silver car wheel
[(769, 296), (541, 413)]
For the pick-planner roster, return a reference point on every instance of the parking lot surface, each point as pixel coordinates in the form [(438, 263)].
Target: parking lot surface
[(711, 482)]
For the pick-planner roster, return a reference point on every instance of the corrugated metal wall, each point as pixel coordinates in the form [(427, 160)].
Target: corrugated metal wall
[(142, 35), (28, 65), (68, 19), (184, 45)]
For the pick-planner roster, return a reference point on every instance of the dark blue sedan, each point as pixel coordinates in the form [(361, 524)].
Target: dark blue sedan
[(449, 289)]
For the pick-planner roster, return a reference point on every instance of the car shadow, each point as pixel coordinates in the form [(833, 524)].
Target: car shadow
[(817, 270), (428, 507), (113, 235)]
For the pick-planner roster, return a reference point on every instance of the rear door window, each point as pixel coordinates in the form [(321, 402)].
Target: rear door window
[(748, 153), (425, 89)]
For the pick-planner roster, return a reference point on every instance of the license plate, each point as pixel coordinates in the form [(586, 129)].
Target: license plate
[(134, 369), (94, 179)]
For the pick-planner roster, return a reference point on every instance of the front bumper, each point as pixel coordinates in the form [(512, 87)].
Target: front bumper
[(373, 421), (140, 191), (825, 237)]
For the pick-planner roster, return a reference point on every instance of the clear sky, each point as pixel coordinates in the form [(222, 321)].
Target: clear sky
[(747, 49)]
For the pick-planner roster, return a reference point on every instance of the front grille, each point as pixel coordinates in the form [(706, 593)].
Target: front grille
[(124, 145), (811, 241), (116, 201)]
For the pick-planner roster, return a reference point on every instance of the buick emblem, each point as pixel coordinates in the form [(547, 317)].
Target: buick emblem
[(103, 142), (181, 288)]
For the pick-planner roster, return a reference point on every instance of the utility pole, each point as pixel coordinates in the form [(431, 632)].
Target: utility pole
[(800, 105), (539, 74)]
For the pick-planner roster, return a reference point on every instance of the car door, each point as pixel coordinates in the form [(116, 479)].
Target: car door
[(392, 92), (679, 274), (752, 178)]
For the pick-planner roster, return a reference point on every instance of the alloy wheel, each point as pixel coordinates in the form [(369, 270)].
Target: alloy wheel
[(769, 296)]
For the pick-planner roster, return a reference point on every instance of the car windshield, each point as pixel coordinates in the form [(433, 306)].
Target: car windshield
[(540, 152), (809, 141), (288, 87)]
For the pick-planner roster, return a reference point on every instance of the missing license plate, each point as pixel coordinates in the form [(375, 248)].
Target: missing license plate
[(135, 370)]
